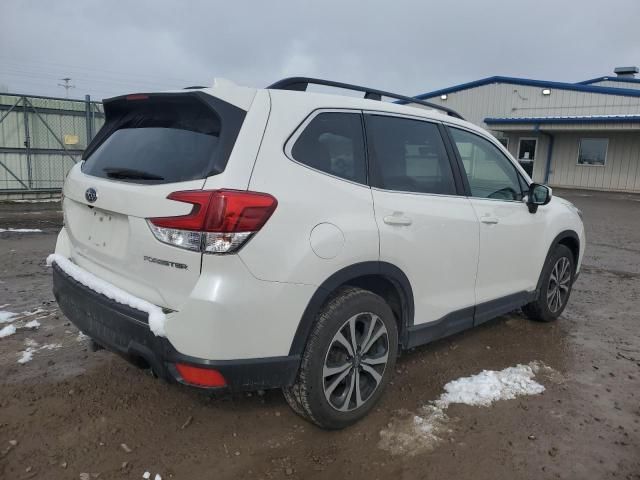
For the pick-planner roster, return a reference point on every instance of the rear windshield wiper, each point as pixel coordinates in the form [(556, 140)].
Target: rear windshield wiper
[(114, 172)]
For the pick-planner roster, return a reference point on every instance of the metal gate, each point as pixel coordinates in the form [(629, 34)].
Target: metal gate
[(41, 138)]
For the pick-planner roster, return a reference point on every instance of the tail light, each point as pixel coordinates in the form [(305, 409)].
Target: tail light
[(221, 221)]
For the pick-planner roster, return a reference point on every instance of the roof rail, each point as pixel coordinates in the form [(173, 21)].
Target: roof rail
[(300, 84)]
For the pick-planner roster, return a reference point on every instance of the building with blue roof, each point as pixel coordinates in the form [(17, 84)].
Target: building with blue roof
[(576, 135)]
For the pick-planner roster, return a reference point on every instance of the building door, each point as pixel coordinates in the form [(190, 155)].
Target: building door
[(527, 153)]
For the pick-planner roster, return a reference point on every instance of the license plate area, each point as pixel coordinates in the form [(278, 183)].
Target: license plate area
[(99, 235), (108, 232)]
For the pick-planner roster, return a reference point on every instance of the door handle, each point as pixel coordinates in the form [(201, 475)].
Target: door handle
[(489, 220), (397, 220)]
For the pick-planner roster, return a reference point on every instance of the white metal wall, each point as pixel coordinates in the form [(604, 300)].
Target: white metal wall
[(509, 100), (622, 170), (620, 173), (614, 84)]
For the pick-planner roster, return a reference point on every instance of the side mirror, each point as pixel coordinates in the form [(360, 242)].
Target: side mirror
[(538, 195)]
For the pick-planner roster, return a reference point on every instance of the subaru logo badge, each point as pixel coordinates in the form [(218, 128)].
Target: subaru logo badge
[(91, 195)]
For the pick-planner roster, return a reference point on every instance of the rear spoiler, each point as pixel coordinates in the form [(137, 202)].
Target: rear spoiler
[(116, 111)]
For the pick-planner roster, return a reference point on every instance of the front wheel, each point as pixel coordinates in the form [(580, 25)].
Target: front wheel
[(348, 360), (555, 286)]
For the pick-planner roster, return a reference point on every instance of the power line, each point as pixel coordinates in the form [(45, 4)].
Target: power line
[(98, 84), (11, 71), (99, 88), (87, 70)]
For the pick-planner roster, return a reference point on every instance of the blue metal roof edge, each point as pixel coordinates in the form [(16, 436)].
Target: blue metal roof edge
[(628, 92), (547, 120), (609, 79)]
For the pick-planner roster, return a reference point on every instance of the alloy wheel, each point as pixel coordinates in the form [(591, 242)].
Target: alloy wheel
[(355, 361), (559, 284)]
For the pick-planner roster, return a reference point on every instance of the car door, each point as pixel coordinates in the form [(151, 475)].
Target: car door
[(427, 228), (509, 251)]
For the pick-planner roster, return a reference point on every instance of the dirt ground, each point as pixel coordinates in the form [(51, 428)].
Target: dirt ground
[(66, 413)]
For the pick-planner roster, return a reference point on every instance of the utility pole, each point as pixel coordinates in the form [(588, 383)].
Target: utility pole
[(66, 85)]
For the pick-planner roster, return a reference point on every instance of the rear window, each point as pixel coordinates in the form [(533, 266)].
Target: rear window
[(333, 143), (164, 139), (408, 156)]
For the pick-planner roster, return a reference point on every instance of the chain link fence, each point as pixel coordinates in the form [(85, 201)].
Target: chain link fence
[(41, 138)]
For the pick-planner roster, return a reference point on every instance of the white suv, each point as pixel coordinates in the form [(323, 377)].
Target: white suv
[(238, 238)]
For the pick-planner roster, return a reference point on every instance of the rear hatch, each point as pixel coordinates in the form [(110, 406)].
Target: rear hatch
[(150, 146)]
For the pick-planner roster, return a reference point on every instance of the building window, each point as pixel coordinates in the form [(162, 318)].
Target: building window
[(527, 149), (593, 151)]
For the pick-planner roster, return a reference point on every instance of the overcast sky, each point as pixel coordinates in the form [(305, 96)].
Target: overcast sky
[(112, 47)]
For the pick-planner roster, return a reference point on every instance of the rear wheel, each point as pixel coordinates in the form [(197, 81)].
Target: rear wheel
[(348, 360), (555, 286)]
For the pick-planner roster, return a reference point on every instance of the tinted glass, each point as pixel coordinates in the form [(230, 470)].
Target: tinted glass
[(333, 143), (162, 140), (408, 155), (170, 154), (490, 173)]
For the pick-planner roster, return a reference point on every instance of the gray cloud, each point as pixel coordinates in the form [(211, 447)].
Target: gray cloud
[(407, 46)]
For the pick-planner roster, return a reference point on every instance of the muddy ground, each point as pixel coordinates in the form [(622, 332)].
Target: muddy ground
[(67, 412)]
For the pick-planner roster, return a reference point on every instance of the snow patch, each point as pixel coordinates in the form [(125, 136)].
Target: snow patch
[(6, 316), (157, 317), (26, 356), (490, 386), (32, 324), (32, 347), (37, 200), (409, 434), (21, 230), (8, 330)]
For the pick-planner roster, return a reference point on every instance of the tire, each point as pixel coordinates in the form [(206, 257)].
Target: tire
[(553, 293), (337, 386), (291, 396)]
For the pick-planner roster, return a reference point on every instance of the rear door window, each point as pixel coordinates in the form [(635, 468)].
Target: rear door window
[(333, 143), (163, 139), (408, 155)]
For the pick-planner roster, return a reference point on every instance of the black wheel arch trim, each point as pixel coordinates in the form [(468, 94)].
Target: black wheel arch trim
[(342, 277), (556, 241)]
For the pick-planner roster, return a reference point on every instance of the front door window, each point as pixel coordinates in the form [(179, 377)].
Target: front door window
[(489, 172)]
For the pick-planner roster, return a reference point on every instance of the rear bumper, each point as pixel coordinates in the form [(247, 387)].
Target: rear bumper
[(124, 330)]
